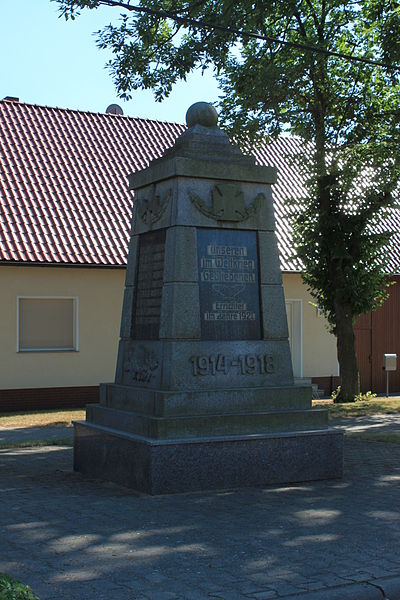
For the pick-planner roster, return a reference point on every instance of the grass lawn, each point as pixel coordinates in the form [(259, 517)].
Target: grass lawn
[(42, 418), (360, 409)]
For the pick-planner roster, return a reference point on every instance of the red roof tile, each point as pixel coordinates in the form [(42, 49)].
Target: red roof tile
[(64, 195)]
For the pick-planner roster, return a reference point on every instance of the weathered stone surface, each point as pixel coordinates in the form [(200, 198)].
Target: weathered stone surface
[(206, 365), (181, 245), (274, 318), (160, 402), (198, 203), (270, 271), (199, 168), (207, 426), (139, 363), (164, 468), (133, 249), (204, 394), (127, 312), (201, 113), (226, 364), (180, 316), (120, 364), (154, 206)]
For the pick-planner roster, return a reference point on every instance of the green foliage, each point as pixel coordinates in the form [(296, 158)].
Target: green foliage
[(11, 589), (267, 87), (336, 396), (376, 406), (341, 237), (364, 397)]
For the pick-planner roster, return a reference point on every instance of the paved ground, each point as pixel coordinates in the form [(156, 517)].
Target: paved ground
[(9, 435), (72, 538), (372, 424)]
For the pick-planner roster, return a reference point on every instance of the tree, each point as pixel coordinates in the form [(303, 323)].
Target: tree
[(319, 69)]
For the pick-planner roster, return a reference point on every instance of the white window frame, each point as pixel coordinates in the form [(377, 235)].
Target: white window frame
[(297, 337), (75, 323)]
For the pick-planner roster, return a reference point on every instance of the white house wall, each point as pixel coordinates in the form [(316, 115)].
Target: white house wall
[(319, 346), (99, 294)]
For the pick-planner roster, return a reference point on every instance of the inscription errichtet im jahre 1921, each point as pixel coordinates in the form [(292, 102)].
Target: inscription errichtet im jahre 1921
[(149, 283), (229, 284)]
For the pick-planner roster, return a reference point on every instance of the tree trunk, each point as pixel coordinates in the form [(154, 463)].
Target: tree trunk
[(346, 351)]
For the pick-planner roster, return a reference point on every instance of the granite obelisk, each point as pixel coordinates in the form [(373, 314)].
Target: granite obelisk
[(204, 396)]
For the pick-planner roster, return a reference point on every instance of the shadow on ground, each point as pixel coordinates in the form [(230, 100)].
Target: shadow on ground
[(70, 537)]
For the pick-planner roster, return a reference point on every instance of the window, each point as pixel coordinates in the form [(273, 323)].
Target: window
[(47, 324)]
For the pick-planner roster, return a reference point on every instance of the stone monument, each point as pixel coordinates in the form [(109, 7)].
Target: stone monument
[(204, 396)]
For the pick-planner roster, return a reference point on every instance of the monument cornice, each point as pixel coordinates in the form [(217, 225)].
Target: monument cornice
[(178, 166)]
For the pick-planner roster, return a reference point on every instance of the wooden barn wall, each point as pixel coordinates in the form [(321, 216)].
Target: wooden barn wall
[(378, 333)]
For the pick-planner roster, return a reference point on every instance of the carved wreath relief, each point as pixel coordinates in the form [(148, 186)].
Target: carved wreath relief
[(227, 203), (140, 364)]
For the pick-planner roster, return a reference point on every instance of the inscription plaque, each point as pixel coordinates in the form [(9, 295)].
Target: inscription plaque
[(229, 284), (149, 283)]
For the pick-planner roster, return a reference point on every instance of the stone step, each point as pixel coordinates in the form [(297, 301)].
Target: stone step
[(176, 466), (161, 403), (208, 425)]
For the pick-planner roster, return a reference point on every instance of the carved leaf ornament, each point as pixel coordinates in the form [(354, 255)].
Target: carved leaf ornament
[(151, 210), (140, 363), (227, 203)]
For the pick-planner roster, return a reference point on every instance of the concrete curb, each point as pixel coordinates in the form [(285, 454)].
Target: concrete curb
[(384, 588)]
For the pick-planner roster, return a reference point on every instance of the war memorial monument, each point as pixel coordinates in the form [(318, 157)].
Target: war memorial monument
[(204, 396)]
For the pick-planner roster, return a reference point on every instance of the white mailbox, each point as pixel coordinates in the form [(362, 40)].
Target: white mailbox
[(390, 362)]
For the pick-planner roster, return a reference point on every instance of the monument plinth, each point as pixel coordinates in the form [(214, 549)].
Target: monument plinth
[(204, 395)]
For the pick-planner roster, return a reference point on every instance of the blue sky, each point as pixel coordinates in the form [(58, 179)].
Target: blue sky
[(47, 60)]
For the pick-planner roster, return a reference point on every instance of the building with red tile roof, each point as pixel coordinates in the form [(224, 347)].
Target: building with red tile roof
[(65, 213), (64, 182)]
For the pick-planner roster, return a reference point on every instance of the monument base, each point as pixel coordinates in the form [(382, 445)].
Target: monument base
[(177, 466)]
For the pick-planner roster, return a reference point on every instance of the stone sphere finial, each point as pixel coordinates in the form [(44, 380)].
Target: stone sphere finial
[(202, 113)]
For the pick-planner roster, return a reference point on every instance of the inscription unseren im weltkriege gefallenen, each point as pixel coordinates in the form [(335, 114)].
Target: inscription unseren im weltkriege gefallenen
[(228, 280)]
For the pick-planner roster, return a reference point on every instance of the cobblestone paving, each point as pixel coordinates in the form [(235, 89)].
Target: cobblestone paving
[(71, 538), (9, 435), (380, 423)]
